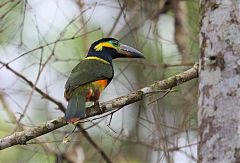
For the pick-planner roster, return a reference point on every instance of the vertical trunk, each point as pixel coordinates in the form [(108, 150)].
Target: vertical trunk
[(219, 86), (181, 34)]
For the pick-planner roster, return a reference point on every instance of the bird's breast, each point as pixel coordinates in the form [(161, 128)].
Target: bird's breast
[(95, 89), (90, 90)]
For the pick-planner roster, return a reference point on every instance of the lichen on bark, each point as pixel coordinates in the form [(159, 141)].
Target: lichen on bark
[(219, 91)]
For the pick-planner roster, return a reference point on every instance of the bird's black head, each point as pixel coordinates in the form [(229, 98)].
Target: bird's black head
[(110, 48)]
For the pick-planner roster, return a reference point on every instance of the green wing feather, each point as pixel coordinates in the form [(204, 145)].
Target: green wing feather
[(77, 85), (87, 71)]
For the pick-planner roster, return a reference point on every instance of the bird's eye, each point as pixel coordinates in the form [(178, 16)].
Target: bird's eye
[(115, 43)]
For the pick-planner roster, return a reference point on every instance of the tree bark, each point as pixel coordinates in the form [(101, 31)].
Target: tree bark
[(219, 82), (22, 137)]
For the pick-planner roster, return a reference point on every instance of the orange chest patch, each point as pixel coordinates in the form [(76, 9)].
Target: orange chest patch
[(100, 84), (95, 90)]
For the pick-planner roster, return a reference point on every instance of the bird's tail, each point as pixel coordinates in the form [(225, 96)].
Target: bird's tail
[(75, 109)]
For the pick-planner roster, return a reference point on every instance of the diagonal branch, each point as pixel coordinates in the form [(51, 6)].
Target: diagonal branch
[(58, 121), (30, 83), (22, 137)]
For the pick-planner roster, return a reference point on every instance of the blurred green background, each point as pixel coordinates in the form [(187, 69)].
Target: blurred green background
[(44, 40)]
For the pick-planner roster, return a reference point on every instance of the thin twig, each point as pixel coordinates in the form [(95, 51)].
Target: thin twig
[(62, 108), (31, 133)]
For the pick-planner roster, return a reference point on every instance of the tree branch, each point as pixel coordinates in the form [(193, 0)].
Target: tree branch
[(20, 138), (57, 121)]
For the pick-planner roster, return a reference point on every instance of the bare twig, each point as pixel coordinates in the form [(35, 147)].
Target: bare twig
[(30, 83), (62, 108), (22, 137), (48, 44)]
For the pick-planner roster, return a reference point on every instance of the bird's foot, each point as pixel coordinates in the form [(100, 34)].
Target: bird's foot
[(74, 120), (97, 105)]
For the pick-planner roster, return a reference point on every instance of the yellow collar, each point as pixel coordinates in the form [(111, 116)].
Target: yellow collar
[(97, 58)]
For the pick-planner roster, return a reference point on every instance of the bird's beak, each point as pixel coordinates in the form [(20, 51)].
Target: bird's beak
[(129, 52)]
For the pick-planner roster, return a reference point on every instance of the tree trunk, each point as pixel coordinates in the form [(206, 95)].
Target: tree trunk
[(219, 82)]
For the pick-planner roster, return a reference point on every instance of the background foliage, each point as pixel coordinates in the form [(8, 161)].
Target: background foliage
[(44, 40)]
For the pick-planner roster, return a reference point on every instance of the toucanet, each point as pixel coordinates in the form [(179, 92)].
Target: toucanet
[(89, 78)]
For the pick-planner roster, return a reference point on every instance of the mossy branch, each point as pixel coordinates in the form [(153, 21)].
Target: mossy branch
[(22, 137)]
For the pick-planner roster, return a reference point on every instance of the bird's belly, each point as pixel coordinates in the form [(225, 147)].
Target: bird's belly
[(94, 89)]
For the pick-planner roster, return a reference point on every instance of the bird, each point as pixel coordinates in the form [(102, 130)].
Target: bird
[(92, 74)]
